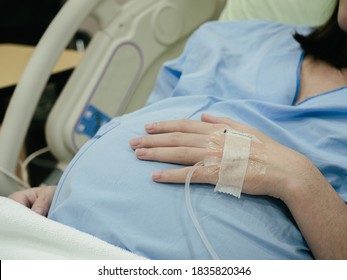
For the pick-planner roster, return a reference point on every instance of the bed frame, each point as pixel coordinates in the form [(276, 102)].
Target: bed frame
[(115, 76)]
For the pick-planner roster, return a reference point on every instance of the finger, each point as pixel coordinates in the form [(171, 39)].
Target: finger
[(40, 208), (188, 126), (25, 198), (177, 155), (43, 202), (203, 174), (235, 125), (223, 121), (174, 139)]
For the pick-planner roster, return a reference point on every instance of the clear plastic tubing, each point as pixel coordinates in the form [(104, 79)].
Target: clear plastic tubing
[(192, 214)]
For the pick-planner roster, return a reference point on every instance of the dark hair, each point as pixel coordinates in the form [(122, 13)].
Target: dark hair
[(327, 42)]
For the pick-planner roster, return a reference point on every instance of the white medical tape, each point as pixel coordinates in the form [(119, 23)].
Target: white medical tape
[(234, 162)]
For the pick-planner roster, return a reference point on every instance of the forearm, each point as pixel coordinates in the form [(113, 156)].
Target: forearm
[(319, 212)]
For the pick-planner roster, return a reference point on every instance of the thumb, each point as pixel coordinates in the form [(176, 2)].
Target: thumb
[(40, 207), (229, 122), (218, 120), (42, 203), (209, 118)]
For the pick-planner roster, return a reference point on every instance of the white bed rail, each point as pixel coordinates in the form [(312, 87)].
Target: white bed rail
[(115, 75), (28, 91)]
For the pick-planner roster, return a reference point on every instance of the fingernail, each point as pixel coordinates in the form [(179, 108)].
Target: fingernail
[(135, 142), (150, 126), (156, 175), (204, 115), (39, 211), (140, 152)]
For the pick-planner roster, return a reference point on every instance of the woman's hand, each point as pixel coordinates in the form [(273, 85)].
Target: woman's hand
[(187, 142), (273, 170), (38, 199)]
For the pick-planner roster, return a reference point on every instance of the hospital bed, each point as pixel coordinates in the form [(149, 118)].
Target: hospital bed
[(115, 76)]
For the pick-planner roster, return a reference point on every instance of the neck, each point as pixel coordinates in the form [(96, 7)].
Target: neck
[(318, 77)]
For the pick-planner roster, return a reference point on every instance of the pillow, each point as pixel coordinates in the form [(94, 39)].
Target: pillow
[(301, 12)]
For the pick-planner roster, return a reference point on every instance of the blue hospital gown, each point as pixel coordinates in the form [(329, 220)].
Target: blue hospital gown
[(247, 71)]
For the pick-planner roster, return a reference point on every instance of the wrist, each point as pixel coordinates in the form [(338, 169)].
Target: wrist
[(301, 179)]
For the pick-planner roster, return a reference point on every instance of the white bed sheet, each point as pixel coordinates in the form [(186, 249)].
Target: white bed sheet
[(27, 235)]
